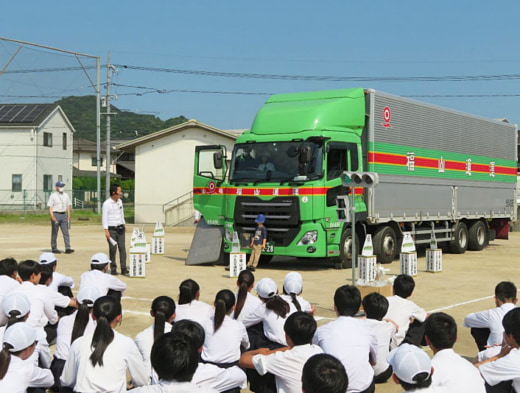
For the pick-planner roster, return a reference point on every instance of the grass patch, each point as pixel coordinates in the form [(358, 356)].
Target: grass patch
[(79, 217)]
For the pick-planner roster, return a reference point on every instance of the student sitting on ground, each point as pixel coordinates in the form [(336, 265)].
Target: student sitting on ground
[(286, 364), (106, 284), (375, 306), (405, 313), (486, 326), (451, 370), (60, 282), (8, 278), (245, 302), (189, 306), (324, 374), (292, 289)]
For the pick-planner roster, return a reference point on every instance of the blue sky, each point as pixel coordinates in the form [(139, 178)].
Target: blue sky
[(328, 38)]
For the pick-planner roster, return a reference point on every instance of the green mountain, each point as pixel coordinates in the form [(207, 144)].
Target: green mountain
[(81, 112)]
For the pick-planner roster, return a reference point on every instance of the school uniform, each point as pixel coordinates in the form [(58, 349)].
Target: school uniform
[(144, 341), (384, 332), (174, 387), (221, 379), (455, 373), (22, 374), (196, 311), (42, 308), (102, 281), (286, 366), (223, 346), (56, 298), (506, 368), (121, 354), (491, 319), (60, 280), (304, 304), (353, 343), (7, 285), (251, 303), (400, 311)]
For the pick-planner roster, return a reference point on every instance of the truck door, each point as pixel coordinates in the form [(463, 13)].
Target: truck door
[(208, 178)]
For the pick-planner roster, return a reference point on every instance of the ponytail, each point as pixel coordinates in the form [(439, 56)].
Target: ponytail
[(14, 317), (295, 301), (81, 320), (224, 302), (245, 280), (5, 359), (188, 291), (279, 306), (106, 309), (163, 307)]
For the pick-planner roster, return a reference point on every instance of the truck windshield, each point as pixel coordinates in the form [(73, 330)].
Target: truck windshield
[(277, 161)]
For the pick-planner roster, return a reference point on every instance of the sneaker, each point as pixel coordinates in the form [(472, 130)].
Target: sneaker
[(251, 268), (56, 251), (69, 251)]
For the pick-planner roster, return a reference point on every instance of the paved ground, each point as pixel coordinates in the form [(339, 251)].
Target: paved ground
[(465, 285)]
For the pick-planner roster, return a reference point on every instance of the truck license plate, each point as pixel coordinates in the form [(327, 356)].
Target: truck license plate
[(269, 247)]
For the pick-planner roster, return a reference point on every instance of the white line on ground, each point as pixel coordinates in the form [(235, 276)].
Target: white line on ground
[(461, 304)]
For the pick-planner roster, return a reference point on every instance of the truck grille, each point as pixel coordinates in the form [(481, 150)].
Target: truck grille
[(282, 216)]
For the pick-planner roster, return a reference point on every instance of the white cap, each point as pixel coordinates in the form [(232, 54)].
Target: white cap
[(21, 335), (47, 257), (293, 283), (88, 293), (266, 288), (407, 361), (99, 259), (16, 302)]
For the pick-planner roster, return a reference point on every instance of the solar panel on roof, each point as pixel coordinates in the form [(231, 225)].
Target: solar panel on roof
[(21, 113)]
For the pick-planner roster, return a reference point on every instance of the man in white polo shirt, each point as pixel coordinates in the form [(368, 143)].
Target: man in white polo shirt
[(59, 209), (113, 221)]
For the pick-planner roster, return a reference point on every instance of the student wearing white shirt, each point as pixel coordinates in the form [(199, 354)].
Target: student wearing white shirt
[(97, 277), (402, 311), (357, 349), (226, 337), (486, 326), (286, 364), (175, 361), (71, 327), (324, 373), (8, 275), (292, 289), (209, 375), (59, 210), (375, 306), (17, 371), (163, 313), (189, 306), (502, 371), (452, 371), (245, 302), (60, 282), (98, 362), (113, 221)]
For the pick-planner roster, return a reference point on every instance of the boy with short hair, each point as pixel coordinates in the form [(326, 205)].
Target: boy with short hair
[(8, 281), (452, 371), (403, 312), (486, 326), (97, 277), (357, 349), (324, 374), (375, 306), (257, 242), (60, 282)]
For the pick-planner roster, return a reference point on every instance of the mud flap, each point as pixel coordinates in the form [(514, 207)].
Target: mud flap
[(206, 244)]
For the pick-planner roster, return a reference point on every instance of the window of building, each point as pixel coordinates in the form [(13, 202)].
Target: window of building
[(94, 161), (16, 183), (47, 139), (60, 178), (64, 141), (47, 182)]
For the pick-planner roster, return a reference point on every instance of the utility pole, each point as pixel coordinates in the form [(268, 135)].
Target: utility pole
[(107, 160)]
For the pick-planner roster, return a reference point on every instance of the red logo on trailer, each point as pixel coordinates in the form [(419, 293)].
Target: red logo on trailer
[(211, 187), (387, 115)]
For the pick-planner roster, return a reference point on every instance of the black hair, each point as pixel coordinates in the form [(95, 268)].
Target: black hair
[(106, 309), (5, 359), (14, 317), (511, 324), (441, 330), (27, 268), (190, 331), (174, 359), (347, 300), (8, 266), (46, 274), (505, 291), (245, 280), (163, 307), (98, 266), (324, 373), (113, 189), (276, 304), (294, 299), (188, 291), (404, 285), (81, 319), (423, 380), (375, 306), (300, 327), (224, 302)]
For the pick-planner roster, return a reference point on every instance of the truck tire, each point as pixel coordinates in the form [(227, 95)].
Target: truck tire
[(265, 259), (385, 244), (345, 250), (460, 243), (478, 236)]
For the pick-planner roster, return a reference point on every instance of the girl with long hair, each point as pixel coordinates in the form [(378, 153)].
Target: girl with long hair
[(189, 306), (246, 302), (292, 289)]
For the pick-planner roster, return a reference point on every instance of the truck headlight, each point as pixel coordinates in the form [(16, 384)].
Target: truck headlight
[(229, 234), (309, 238)]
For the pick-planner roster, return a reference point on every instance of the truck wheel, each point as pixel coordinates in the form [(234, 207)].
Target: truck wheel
[(478, 236), (345, 250), (460, 243), (385, 244), (265, 259)]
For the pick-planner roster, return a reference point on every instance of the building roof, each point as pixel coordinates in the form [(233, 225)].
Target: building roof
[(131, 145), (28, 115), (82, 144)]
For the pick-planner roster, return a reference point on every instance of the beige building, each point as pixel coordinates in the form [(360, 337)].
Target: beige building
[(85, 158), (164, 169)]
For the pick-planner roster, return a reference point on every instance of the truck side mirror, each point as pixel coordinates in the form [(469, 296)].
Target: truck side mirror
[(217, 160)]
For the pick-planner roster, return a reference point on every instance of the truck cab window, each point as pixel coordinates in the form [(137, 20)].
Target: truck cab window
[(341, 157)]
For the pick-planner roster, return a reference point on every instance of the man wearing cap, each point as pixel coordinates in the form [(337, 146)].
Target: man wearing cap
[(59, 209)]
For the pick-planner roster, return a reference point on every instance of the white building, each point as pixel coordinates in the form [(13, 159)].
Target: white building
[(35, 153), (164, 169), (85, 158)]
